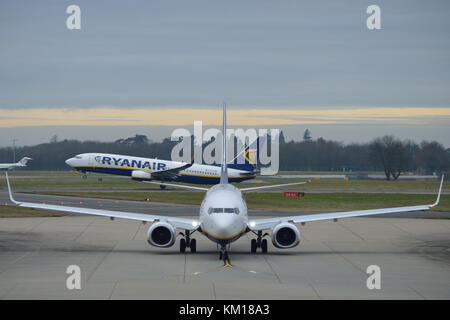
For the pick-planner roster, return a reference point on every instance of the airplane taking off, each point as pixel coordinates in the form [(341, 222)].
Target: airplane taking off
[(147, 169), (223, 217), (9, 166)]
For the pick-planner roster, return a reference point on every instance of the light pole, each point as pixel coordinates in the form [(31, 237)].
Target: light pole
[(14, 150)]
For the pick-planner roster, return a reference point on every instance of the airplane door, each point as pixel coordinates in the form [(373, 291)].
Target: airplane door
[(91, 160)]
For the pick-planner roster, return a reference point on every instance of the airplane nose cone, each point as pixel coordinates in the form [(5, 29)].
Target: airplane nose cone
[(70, 162), (224, 226)]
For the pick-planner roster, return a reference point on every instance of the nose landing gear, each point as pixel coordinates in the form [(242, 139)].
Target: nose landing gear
[(223, 255)]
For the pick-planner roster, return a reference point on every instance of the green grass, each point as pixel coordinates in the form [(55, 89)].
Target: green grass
[(315, 202), (328, 172), (436, 218), (323, 202), (357, 185), (67, 179), (11, 211)]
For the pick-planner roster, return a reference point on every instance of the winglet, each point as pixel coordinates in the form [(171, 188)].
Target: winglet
[(439, 194), (9, 190)]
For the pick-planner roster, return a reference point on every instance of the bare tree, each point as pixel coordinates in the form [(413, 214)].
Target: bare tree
[(432, 157), (392, 154)]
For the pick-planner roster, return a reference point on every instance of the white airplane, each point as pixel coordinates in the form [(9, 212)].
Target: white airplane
[(21, 163), (240, 168), (223, 217)]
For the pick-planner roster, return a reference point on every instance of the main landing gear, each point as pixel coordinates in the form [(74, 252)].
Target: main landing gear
[(259, 242), (162, 187), (187, 242)]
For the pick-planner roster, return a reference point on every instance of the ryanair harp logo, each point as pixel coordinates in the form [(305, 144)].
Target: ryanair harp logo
[(250, 156)]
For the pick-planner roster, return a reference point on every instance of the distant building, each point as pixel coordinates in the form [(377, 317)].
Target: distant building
[(347, 169), (138, 139)]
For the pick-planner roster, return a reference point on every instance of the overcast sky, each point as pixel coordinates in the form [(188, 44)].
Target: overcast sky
[(305, 56)]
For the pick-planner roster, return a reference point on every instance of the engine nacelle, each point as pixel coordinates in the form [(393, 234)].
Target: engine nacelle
[(161, 234), (285, 235), (140, 175)]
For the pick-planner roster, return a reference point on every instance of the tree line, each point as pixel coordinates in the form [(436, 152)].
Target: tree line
[(389, 154)]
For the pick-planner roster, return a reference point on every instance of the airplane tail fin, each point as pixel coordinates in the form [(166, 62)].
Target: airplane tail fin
[(23, 161), (223, 164), (248, 158)]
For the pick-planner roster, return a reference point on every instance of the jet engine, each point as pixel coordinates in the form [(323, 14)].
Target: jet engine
[(161, 234), (140, 175), (285, 235)]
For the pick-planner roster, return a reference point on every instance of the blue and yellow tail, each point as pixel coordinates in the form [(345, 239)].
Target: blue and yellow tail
[(248, 158)]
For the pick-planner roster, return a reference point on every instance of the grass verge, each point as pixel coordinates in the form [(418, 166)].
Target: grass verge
[(11, 211)]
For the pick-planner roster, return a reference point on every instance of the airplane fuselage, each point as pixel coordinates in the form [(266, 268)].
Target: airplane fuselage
[(9, 166), (125, 165)]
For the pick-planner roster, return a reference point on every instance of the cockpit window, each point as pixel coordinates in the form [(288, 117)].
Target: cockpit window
[(215, 210), (78, 157), (223, 210)]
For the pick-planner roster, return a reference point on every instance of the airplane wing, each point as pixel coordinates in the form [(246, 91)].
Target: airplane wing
[(262, 224), (181, 223), (272, 186), (170, 174), (177, 185)]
